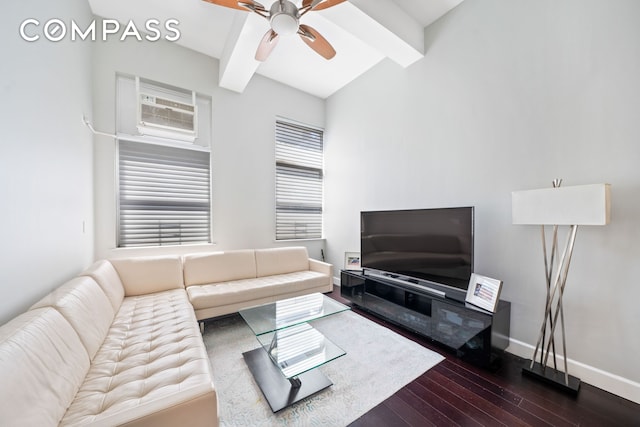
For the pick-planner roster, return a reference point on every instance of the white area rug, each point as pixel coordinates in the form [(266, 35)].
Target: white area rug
[(378, 363)]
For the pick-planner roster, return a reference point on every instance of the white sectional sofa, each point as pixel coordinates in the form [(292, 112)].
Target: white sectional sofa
[(120, 345)]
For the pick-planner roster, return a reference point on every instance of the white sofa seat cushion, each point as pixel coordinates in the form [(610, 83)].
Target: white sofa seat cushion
[(219, 267), (153, 358), (219, 294), (42, 365)]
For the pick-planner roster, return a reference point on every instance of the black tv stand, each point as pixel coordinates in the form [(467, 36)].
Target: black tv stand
[(474, 334)]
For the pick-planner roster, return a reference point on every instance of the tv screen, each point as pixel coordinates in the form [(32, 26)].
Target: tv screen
[(430, 244)]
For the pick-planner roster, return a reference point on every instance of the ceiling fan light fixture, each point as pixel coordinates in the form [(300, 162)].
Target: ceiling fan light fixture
[(284, 25), (284, 18)]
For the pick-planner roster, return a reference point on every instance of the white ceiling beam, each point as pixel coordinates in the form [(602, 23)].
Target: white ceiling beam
[(383, 25), (237, 63)]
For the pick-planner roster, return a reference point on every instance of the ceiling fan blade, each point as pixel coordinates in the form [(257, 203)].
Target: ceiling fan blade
[(319, 4), (238, 4), (315, 41), (269, 41)]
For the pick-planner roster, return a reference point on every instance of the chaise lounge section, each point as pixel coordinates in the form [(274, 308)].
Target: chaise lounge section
[(119, 345)]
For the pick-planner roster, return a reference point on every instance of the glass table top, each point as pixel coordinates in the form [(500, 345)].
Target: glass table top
[(293, 345), (283, 314), (298, 349)]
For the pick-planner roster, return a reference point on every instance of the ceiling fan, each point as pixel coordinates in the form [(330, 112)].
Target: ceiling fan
[(284, 17)]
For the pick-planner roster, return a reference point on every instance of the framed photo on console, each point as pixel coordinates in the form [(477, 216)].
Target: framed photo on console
[(484, 292), (352, 261)]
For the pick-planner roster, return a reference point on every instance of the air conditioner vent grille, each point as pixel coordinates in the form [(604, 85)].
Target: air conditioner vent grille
[(167, 117), (173, 104)]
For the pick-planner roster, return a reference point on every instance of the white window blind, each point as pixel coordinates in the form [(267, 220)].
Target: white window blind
[(299, 161), (164, 195)]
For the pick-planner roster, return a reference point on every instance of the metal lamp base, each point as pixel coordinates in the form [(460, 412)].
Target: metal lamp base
[(553, 377)]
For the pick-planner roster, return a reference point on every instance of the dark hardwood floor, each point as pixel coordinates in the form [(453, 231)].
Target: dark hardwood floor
[(457, 393)]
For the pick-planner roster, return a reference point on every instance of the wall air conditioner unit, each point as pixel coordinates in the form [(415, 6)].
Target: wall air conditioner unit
[(167, 118)]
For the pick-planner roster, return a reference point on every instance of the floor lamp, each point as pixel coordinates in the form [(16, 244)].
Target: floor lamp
[(556, 207)]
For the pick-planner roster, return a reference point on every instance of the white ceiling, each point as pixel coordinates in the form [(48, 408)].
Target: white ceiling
[(363, 32)]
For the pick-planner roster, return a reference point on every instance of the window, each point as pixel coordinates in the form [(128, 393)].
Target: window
[(164, 195), (163, 164), (299, 159)]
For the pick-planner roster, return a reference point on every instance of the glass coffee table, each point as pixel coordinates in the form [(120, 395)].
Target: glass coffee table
[(284, 367)]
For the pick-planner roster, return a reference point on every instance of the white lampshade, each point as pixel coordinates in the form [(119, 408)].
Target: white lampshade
[(575, 205)]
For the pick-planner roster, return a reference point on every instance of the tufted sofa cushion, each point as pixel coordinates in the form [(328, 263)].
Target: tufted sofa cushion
[(152, 359), (85, 306), (42, 365), (146, 275), (219, 267), (270, 262)]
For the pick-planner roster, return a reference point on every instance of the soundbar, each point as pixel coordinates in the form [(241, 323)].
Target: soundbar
[(406, 284)]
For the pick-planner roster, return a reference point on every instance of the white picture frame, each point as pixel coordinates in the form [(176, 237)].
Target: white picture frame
[(352, 261), (484, 292)]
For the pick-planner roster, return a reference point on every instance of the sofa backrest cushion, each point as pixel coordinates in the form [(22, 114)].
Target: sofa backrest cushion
[(270, 262), (42, 365), (83, 303), (147, 275), (219, 267), (107, 277)]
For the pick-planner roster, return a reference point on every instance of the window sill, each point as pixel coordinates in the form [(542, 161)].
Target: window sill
[(161, 250), (319, 239)]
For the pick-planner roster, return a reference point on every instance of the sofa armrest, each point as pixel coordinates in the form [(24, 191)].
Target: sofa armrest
[(322, 267)]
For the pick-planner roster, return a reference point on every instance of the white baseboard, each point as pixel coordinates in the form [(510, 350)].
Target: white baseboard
[(607, 381)]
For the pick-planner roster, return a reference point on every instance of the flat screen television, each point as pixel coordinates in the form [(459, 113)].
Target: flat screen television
[(433, 245)]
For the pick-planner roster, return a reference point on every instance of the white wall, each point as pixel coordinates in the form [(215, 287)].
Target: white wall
[(243, 150), (509, 96), (46, 172)]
